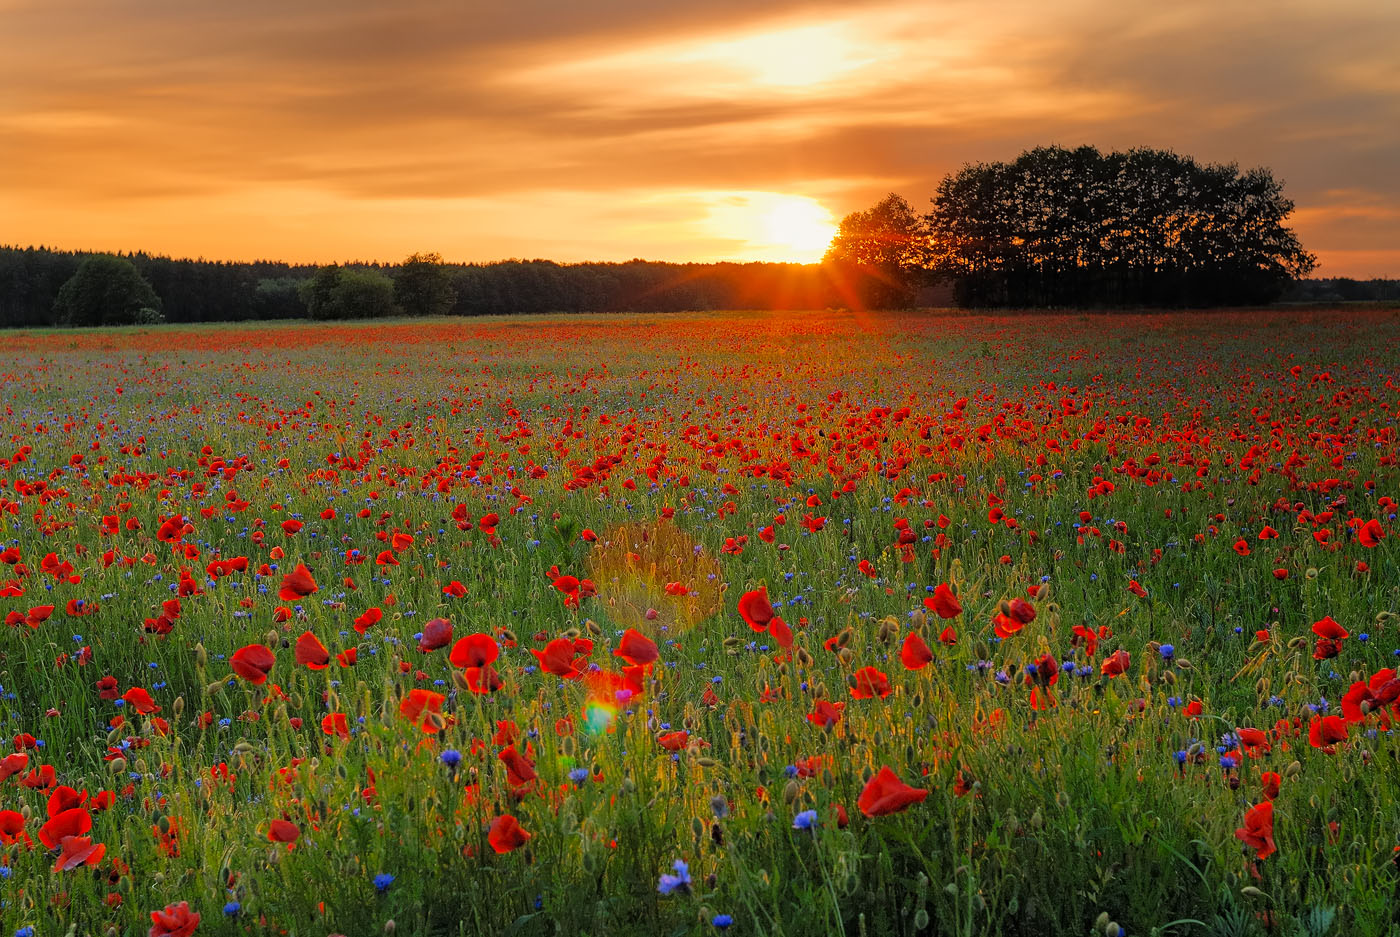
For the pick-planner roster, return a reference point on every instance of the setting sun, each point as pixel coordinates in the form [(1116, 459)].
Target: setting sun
[(800, 224)]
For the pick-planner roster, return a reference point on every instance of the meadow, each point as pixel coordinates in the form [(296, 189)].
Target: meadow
[(729, 623)]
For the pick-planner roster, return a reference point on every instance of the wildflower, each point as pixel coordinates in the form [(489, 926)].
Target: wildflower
[(678, 882), (382, 881), (805, 820)]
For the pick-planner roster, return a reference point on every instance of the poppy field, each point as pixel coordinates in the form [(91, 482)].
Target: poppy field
[(729, 623)]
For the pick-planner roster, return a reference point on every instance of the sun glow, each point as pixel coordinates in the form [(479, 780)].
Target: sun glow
[(800, 224), (769, 225)]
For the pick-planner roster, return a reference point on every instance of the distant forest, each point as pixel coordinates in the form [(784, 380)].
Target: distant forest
[(1054, 228)]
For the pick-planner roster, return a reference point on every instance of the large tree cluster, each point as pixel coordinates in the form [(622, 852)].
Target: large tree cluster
[(1062, 227)]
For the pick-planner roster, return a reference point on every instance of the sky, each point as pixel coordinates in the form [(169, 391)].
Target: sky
[(316, 131)]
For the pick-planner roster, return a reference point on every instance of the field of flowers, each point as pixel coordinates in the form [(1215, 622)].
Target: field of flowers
[(731, 623)]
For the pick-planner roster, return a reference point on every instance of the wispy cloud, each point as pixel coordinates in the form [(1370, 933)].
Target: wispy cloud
[(626, 128)]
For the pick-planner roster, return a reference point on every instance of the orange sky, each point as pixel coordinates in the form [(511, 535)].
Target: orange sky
[(610, 129)]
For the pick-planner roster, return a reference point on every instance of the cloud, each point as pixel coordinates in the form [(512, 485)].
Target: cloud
[(611, 129)]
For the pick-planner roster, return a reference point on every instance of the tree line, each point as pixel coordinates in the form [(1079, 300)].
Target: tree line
[(1055, 227), (112, 289)]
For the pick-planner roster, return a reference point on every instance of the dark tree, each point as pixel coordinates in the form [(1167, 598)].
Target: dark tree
[(106, 290), (337, 292), (879, 255), (1060, 227), (423, 287)]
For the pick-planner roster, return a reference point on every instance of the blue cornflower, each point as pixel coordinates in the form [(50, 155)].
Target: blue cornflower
[(382, 881), (722, 921), (578, 775), (805, 820), (232, 908), (1168, 652), (680, 881), (451, 757)]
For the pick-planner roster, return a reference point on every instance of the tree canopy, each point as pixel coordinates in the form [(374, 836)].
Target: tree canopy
[(423, 286), (106, 290), (880, 254), (1061, 227)]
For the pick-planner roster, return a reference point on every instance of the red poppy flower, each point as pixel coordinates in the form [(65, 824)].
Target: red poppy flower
[(423, 708), (283, 831), (780, 632), (943, 602), (483, 680), (311, 653), (11, 827), (869, 682), (558, 658), (674, 741), (826, 714), (370, 618), (253, 662), (1258, 830), (1115, 664), (520, 771), (72, 822), (335, 724), (140, 700), (475, 650), (915, 654), (436, 633), (755, 608), (506, 834), (637, 649), (177, 920), (1370, 534), (885, 793), (1325, 732), (297, 584), (75, 851), (1270, 781)]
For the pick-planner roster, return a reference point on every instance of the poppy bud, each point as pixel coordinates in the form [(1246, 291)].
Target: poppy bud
[(117, 765), (390, 926), (1112, 930), (272, 637), (1311, 573), (790, 792), (213, 688), (1184, 664), (1261, 686), (1249, 891), (179, 706), (920, 919), (201, 656), (1293, 770), (1169, 678)]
